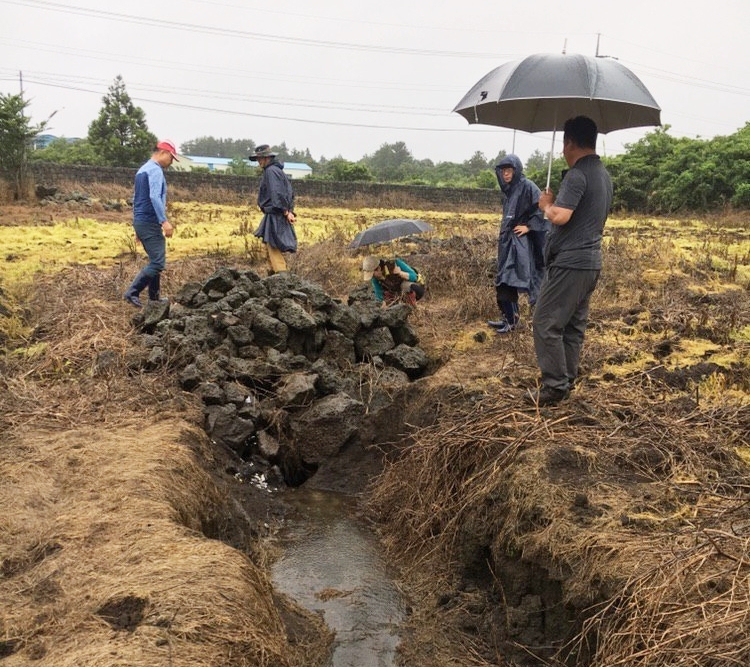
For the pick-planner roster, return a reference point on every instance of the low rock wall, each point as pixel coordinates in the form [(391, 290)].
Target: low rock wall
[(339, 193)]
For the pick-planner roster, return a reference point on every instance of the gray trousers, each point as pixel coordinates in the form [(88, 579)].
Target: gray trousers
[(560, 317)]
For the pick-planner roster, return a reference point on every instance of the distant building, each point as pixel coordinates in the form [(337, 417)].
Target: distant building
[(44, 140), (188, 162)]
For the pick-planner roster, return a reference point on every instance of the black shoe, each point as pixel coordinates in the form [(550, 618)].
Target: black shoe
[(547, 396), (133, 300)]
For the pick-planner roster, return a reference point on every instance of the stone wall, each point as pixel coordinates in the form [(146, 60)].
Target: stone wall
[(306, 191)]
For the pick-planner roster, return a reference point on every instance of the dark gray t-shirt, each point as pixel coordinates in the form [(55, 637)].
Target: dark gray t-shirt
[(587, 191)]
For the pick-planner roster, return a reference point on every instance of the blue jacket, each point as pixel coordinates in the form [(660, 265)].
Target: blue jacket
[(150, 194)]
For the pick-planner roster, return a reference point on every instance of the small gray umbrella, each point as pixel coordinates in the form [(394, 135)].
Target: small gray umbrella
[(540, 92), (388, 230)]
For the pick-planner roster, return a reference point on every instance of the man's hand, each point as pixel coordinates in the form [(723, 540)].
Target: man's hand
[(546, 199), (167, 228), (289, 215), (521, 230)]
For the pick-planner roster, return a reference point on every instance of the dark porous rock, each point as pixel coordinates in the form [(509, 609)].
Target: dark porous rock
[(269, 331), (45, 191), (330, 381), (221, 282), (344, 319), (394, 316), (211, 393), (190, 377), (412, 360), (373, 342), (234, 298), (338, 349), (223, 320), (295, 316), (198, 327), (211, 367), (157, 358), (368, 313), (297, 390), (249, 352), (235, 393), (153, 313), (405, 335), (254, 372), (323, 429), (240, 335), (279, 284), (224, 426), (281, 357), (288, 361), (187, 294)]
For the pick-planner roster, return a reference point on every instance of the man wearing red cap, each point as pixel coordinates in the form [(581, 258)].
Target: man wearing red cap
[(150, 221)]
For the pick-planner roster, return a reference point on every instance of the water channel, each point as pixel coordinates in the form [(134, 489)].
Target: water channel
[(332, 565)]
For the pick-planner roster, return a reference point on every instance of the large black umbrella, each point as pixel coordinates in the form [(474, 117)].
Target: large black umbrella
[(540, 92), (388, 230)]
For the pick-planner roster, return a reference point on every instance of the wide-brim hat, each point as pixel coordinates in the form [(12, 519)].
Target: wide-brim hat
[(264, 150)]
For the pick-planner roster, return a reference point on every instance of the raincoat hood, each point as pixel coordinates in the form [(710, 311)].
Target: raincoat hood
[(509, 161)]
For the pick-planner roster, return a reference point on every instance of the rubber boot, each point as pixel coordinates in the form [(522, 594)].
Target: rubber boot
[(132, 295), (154, 288)]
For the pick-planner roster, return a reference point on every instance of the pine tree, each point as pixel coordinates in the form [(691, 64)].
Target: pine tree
[(120, 134)]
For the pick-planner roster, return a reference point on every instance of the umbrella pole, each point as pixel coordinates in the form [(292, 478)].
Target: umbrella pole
[(549, 164)]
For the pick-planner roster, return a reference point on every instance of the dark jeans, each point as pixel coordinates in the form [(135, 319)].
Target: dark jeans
[(151, 236), (560, 319)]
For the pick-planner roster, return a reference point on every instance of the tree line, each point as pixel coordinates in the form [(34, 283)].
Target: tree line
[(658, 174)]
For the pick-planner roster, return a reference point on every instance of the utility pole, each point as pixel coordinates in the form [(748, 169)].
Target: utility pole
[(20, 81)]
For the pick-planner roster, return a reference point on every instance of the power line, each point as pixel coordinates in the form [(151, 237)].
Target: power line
[(243, 34)]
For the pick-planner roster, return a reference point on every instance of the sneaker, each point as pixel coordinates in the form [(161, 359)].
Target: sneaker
[(547, 396), (497, 324), (503, 327), (133, 300)]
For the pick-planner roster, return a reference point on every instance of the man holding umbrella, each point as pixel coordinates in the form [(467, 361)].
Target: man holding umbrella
[(573, 257)]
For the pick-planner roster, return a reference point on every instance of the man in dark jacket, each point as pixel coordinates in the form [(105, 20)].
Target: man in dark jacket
[(574, 260), (276, 200), (520, 244)]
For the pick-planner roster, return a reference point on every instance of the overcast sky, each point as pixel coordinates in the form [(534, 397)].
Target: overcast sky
[(344, 77)]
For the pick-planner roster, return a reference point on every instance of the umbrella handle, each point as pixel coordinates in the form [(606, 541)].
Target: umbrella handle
[(551, 153)]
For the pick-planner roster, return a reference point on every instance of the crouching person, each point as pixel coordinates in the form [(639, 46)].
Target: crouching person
[(393, 280)]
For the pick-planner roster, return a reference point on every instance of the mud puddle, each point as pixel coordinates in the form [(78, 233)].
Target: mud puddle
[(332, 565)]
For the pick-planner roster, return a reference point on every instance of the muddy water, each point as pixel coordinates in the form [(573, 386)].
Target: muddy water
[(332, 565)]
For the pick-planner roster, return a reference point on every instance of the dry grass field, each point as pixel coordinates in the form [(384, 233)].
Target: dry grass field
[(624, 513)]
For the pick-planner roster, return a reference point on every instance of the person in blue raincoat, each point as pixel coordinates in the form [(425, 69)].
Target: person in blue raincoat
[(276, 200), (520, 244)]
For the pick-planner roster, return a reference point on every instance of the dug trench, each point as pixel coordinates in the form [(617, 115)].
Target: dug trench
[(150, 482), (299, 389)]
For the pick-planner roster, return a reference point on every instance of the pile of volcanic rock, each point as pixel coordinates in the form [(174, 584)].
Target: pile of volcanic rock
[(286, 373)]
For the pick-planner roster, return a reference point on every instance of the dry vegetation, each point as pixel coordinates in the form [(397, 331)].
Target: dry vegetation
[(120, 545)]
